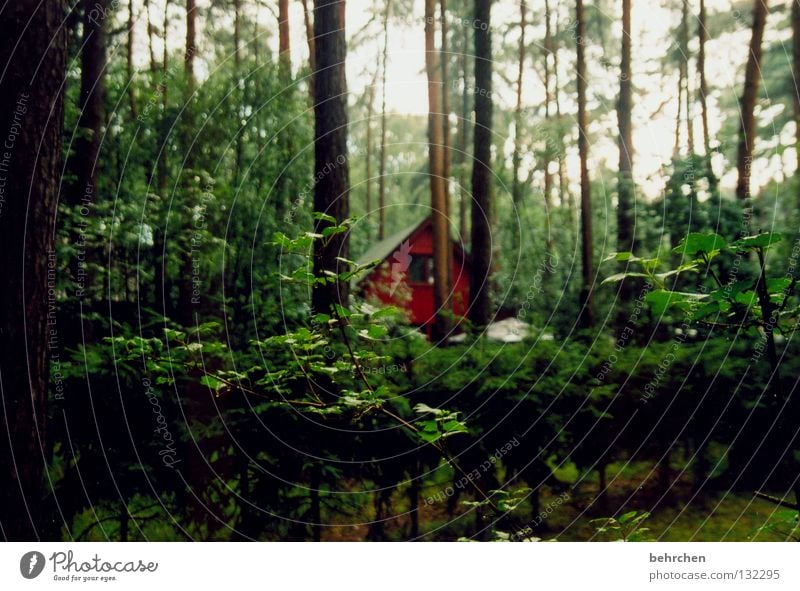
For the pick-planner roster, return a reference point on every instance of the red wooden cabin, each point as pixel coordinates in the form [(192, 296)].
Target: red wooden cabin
[(404, 277)]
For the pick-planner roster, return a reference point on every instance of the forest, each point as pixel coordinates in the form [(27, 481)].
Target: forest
[(411, 270)]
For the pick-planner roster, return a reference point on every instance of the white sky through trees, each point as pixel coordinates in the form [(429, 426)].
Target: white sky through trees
[(655, 87)]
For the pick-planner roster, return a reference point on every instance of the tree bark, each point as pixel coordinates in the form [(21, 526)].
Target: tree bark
[(368, 155), (284, 48), (586, 318), (86, 146), (191, 43), (129, 61), (447, 140), (34, 53), (686, 78), (463, 138), (331, 168), (702, 35), (516, 185), (747, 129), (481, 243), (625, 186), (441, 239)]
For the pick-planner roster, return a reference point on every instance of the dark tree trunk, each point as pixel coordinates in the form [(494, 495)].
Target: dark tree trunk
[(129, 61), (447, 164), (191, 43), (481, 242), (586, 318), (331, 191), (33, 51), (752, 73), (86, 146), (441, 238), (463, 138), (625, 186)]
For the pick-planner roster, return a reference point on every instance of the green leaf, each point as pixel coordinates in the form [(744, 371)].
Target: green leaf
[(764, 240), (212, 383), (697, 243)]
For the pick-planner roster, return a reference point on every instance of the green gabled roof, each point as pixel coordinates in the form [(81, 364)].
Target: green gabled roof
[(381, 250)]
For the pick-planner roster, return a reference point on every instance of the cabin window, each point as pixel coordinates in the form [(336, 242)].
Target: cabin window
[(421, 269)]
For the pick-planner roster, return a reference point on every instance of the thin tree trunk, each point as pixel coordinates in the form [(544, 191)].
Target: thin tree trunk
[(382, 160), (191, 43), (677, 147), (284, 48), (686, 78), (129, 61), (463, 138), (331, 168), (702, 35), (441, 241), (481, 243), (586, 319), (565, 197), (516, 185), (33, 52), (368, 155), (625, 186), (237, 34), (752, 73), (447, 140), (548, 178), (93, 63)]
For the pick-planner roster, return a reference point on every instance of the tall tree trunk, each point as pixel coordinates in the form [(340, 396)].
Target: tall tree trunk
[(463, 137), (382, 158), (565, 197), (33, 51), (677, 147), (625, 186), (331, 168), (129, 61), (702, 36), (481, 243), (447, 140), (686, 78), (191, 43), (441, 239), (237, 34), (284, 48), (752, 73), (586, 318), (368, 155), (516, 157), (548, 178), (93, 62)]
